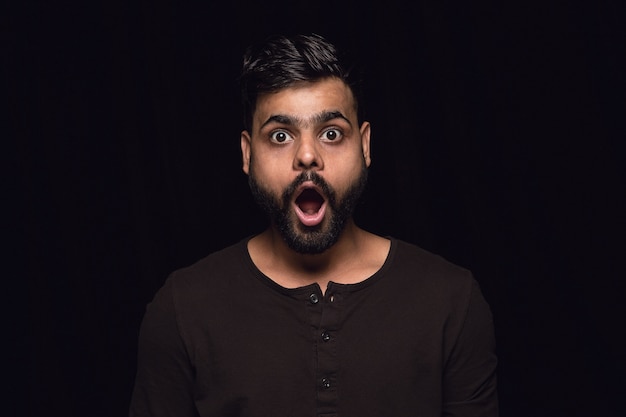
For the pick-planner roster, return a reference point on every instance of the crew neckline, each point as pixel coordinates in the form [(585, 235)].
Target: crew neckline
[(335, 286)]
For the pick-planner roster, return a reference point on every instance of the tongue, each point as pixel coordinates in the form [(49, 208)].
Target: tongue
[(310, 208), (311, 219)]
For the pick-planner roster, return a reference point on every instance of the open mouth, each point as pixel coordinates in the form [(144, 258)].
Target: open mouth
[(309, 201), (310, 207)]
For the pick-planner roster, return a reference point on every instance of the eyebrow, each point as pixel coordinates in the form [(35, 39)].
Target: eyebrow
[(318, 118)]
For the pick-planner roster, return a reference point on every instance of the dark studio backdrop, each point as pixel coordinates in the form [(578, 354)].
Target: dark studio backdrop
[(498, 142)]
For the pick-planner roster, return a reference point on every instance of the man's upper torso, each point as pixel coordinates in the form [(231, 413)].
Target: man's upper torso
[(222, 339)]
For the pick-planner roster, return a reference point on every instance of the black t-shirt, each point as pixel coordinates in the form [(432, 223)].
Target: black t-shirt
[(222, 339)]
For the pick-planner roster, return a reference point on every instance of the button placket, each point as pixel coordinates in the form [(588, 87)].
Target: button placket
[(325, 336), (328, 365)]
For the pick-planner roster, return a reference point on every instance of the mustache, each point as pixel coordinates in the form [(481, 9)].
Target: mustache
[(316, 179)]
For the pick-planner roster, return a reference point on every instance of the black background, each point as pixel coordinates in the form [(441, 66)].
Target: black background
[(498, 142)]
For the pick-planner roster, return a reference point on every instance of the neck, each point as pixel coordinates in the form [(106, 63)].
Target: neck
[(356, 256), (315, 264), (291, 269)]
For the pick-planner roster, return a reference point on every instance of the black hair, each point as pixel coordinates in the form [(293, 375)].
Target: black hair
[(280, 61)]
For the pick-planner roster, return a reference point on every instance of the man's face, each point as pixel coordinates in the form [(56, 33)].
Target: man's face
[(307, 161)]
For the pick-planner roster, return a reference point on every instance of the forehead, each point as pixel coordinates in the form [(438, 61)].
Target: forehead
[(305, 99)]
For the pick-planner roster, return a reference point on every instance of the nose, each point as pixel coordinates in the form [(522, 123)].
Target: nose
[(308, 154)]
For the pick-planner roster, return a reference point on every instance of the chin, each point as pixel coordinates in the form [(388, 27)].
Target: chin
[(311, 240)]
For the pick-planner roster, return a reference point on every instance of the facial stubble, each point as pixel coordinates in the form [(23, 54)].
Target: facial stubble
[(309, 239)]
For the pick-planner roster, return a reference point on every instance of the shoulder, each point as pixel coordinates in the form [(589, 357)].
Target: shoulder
[(208, 277), (226, 259), (413, 259), (429, 276), (434, 287)]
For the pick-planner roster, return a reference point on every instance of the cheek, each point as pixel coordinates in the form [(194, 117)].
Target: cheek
[(269, 175), (343, 179), (348, 167)]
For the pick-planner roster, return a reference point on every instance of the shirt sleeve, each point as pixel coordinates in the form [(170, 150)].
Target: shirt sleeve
[(164, 379), (469, 386)]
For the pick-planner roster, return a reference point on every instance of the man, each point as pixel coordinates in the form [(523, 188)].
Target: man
[(315, 316)]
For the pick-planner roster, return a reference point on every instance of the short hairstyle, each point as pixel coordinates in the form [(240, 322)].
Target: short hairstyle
[(280, 61)]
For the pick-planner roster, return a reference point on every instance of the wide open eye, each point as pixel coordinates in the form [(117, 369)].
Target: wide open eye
[(280, 136), (332, 135)]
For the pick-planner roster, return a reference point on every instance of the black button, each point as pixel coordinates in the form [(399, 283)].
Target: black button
[(325, 383), (314, 298), (325, 336)]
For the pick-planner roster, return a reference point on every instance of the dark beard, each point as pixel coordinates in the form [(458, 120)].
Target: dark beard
[(309, 239)]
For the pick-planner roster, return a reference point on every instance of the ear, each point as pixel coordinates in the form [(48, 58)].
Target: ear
[(245, 151), (365, 142)]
